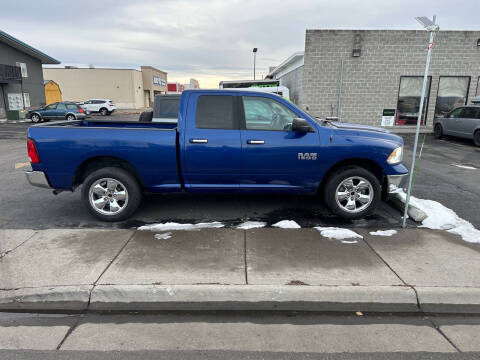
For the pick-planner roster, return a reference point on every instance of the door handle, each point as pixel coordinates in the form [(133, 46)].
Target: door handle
[(199, 141), (256, 142)]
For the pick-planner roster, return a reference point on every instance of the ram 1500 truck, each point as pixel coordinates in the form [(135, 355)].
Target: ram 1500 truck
[(225, 141)]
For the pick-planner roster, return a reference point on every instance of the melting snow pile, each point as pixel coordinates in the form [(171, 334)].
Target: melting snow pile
[(163, 236), (251, 225), (177, 226), (287, 224), (440, 217), (383, 232), (339, 234)]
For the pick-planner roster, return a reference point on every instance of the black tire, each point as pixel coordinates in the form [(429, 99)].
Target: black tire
[(334, 182), (476, 138), (438, 131), (35, 118), (126, 180), (70, 117), (146, 116), (104, 111)]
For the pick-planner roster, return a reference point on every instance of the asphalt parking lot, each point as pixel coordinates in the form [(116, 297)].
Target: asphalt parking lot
[(24, 206)]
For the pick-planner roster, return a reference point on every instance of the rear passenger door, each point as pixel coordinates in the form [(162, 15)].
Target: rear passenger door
[(212, 143), (60, 111), (467, 121), (452, 122)]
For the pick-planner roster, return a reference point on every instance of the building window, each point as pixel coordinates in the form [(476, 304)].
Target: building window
[(23, 68), (26, 99), (452, 92), (409, 96), (476, 92)]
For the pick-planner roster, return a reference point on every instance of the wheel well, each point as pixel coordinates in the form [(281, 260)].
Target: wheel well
[(99, 162), (70, 114), (35, 113), (368, 164), (103, 107)]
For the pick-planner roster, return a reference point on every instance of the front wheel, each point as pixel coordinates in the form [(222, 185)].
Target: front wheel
[(35, 118), (352, 192), (111, 194), (437, 131)]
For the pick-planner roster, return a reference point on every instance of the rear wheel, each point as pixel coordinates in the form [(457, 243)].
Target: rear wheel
[(70, 117), (104, 111), (111, 194), (476, 138), (352, 192), (35, 118), (438, 131)]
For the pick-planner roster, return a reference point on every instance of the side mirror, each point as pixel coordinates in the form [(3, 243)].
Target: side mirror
[(301, 125)]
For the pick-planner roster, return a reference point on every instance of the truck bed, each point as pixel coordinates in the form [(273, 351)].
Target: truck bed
[(149, 147)]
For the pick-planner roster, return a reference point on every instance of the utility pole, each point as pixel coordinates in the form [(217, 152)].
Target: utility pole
[(432, 28), (254, 61)]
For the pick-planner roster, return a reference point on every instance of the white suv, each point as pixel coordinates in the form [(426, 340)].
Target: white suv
[(103, 106)]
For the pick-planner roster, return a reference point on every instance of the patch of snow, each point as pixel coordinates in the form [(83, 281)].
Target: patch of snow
[(465, 166), (251, 225), (383, 232), (439, 217), (287, 224), (163, 236), (339, 234), (177, 226)]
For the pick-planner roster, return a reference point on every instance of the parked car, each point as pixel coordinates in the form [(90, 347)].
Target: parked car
[(102, 106), (57, 111), (82, 105), (223, 141), (463, 121)]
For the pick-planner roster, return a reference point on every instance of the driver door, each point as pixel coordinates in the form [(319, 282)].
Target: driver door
[(275, 158)]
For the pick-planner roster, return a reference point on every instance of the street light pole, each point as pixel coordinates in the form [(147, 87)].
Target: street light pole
[(432, 28), (254, 61)]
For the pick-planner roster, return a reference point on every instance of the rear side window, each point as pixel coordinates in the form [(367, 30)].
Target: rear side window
[(468, 113), (215, 112), (72, 107), (61, 107)]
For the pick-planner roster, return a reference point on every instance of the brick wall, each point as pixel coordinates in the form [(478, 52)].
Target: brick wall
[(371, 81)]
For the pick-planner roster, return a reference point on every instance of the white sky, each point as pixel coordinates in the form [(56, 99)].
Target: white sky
[(210, 40)]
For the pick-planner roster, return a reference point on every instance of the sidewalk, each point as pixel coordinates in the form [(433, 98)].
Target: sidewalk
[(229, 269)]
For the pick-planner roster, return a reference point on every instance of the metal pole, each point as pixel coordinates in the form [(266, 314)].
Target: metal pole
[(254, 60), (339, 100), (420, 111)]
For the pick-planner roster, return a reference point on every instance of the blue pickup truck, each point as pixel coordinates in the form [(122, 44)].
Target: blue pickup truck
[(225, 141)]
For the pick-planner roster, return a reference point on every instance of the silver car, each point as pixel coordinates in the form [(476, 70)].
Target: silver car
[(463, 122)]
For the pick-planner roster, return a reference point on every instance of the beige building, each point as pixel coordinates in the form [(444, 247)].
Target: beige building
[(128, 88), (154, 83)]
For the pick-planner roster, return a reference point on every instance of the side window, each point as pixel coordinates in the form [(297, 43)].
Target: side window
[(266, 114), (72, 107), (61, 107), (455, 113), (51, 107), (468, 113), (215, 112), (23, 69)]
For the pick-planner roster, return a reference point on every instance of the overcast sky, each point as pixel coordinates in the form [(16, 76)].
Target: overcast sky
[(210, 40)]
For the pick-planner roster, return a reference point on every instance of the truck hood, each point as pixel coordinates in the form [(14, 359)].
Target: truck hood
[(349, 126)]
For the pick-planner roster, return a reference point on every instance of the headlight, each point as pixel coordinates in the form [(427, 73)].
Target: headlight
[(396, 156)]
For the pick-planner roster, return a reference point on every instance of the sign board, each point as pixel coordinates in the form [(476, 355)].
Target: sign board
[(388, 117), (159, 81), (15, 102)]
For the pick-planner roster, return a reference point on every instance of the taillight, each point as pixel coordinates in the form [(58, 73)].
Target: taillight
[(32, 152), (111, 104), (80, 110)]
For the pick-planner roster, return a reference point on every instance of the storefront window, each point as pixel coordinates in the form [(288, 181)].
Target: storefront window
[(409, 97), (452, 92)]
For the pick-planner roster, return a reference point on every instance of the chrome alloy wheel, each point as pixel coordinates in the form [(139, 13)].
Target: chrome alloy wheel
[(354, 194), (108, 196)]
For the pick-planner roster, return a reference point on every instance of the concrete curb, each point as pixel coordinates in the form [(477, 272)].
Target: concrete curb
[(453, 300), (253, 297), (55, 298)]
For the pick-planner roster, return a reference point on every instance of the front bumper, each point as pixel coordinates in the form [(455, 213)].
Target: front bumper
[(37, 178), (394, 182)]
